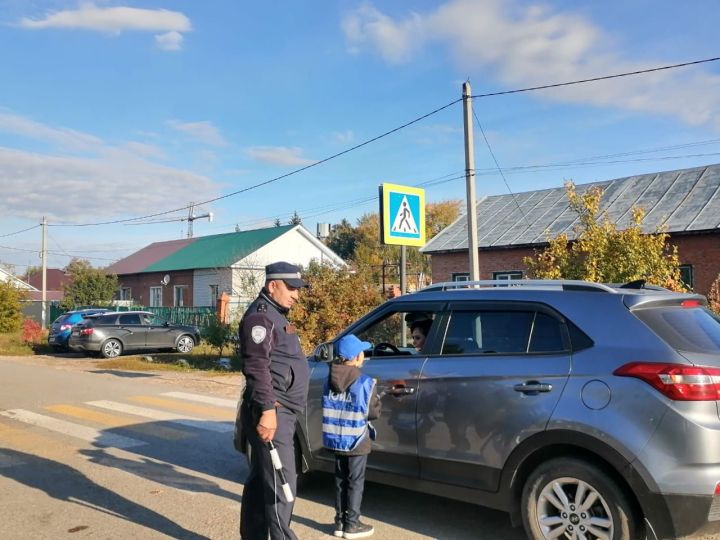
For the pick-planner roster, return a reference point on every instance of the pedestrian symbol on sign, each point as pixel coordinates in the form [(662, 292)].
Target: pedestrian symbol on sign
[(404, 221)]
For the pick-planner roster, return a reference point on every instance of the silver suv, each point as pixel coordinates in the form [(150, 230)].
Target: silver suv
[(584, 410)]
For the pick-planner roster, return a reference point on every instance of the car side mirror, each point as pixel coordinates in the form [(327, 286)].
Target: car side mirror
[(166, 323), (324, 352)]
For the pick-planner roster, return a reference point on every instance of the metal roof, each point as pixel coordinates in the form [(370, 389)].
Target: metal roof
[(216, 251), (686, 200)]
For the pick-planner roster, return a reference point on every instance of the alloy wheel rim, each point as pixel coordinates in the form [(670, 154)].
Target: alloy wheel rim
[(112, 348), (572, 509), (184, 345)]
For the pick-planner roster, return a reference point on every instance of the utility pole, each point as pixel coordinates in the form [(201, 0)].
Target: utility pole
[(43, 255), (470, 184)]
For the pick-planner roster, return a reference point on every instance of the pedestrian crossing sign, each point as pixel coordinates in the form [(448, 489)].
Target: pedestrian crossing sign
[(402, 215)]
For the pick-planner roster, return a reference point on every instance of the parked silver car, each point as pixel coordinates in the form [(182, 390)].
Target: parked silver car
[(584, 410), (111, 334)]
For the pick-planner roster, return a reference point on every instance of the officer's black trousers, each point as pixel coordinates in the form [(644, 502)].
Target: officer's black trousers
[(263, 508), (349, 486)]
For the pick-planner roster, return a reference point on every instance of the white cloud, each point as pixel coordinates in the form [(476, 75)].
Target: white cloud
[(115, 20), (279, 155), (171, 41), (531, 45), (204, 132), (344, 137), (104, 182), (66, 138), (76, 190)]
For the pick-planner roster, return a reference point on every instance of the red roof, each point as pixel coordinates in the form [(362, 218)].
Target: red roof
[(55, 279), (138, 261)]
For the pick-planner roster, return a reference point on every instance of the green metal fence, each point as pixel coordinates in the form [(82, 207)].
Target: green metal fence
[(196, 316)]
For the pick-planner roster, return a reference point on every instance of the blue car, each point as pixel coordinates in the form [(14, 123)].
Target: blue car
[(62, 327)]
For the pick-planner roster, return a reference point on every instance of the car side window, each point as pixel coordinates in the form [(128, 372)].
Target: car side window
[(130, 318), (399, 333), (502, 332)]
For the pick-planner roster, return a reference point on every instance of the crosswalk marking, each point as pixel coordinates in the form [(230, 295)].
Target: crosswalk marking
[(163, 416), (193, 408), (112, 420), (68, 428), (218, 402)]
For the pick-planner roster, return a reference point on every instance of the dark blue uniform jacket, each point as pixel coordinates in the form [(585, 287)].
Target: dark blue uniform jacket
[(275, 368)]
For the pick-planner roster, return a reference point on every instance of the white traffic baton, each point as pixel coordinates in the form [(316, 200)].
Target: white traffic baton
[(277, 465)]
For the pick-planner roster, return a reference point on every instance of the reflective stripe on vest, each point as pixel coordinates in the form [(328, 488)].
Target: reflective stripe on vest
[(344, 422)]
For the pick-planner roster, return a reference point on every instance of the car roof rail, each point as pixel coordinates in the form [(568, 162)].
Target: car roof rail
[(540, 284)]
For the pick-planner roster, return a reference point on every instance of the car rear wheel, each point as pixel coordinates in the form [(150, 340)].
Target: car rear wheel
[(185, 344), (112, 348), (571, 499)]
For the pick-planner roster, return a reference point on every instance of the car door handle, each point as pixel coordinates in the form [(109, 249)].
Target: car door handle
[(532, 387), (399, 390)]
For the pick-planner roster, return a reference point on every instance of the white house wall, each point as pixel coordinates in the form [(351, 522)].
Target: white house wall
[(202, 279), (293, 247)]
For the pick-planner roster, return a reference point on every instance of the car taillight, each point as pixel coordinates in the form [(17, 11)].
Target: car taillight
[(676, 381), (64, 327), (86, 331)]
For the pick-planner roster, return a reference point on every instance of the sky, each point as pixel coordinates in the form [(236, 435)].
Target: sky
[(116, 116)]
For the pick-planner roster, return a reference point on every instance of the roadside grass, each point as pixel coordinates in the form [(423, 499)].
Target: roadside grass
[(202, 358), (12, 344)]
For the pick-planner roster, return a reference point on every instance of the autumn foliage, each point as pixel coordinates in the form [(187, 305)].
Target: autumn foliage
[(31, 331), (335, 298), (600, 252)]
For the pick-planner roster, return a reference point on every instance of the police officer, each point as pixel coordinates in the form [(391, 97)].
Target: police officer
[(276, 377)]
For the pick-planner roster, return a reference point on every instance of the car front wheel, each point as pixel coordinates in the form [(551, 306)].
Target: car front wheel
[(185, 344), (569, 498), (112, 348)]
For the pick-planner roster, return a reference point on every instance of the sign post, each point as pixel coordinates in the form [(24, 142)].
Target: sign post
[(402, 220)]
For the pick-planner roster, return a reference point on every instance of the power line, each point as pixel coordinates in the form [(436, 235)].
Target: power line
[(275, 179), (499, 169), (595, 79), (18, 232)]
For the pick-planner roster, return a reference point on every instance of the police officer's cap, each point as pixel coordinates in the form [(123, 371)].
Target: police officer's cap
[(287, 272)]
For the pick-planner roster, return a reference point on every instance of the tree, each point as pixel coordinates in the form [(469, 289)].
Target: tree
[(89, 286), (277, 222), (343, 240), (439, 215), (295, 219), (11, 316), (335, 298), (602, 253)]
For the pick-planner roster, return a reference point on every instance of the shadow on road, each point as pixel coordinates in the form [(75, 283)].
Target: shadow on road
[(64, 483)]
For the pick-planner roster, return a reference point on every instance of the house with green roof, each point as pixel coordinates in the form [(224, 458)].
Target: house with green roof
[(194, 272)]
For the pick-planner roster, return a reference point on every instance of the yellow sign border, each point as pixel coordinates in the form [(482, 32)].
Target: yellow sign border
[(386, 220)]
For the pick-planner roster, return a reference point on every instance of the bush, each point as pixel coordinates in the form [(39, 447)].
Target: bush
[(10, 307), (217, 334), (32, 332), (714, 296)]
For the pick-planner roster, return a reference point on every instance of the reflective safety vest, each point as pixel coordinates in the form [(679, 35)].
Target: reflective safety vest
[(345, 414)]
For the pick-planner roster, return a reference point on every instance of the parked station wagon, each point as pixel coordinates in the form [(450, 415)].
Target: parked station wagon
[(111, 334), (581, 409)]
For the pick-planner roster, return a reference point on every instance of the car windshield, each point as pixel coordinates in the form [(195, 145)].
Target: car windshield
[(684, 329)]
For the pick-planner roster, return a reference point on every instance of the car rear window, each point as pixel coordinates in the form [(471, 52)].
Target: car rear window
[(684, 329)]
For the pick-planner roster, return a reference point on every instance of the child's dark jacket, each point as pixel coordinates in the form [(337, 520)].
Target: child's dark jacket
[(341, 377)]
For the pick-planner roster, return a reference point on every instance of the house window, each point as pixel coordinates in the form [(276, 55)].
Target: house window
[(461, 276), (686, 275), (512, 274), (213, 294), (179, 295), (155, 296), (125, 293)]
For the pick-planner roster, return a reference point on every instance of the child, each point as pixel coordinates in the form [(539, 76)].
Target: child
[(349, 400)]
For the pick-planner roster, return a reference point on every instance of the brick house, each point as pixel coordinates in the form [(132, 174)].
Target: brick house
[(511, 227), (193, 272)]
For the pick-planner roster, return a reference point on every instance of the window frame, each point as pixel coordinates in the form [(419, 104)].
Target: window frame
[(156, 300), (508, 275), (179, 289), (691, 271)]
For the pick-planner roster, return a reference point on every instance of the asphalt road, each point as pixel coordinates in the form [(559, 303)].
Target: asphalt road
[(87, 452)]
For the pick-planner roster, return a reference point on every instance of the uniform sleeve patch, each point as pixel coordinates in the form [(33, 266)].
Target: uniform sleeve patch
[(258, 333)]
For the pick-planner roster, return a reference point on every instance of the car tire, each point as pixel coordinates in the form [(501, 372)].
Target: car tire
[(549, 503), (185, 344), (112, 348)]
